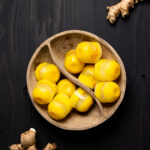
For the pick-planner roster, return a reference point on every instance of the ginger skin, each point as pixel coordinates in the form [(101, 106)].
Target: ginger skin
[(33, 147), (121, 7), (28, 141), (28, 138), (16, 147), (50, 146)]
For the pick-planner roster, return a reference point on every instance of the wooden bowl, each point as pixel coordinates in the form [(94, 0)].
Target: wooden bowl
[(53, 50)]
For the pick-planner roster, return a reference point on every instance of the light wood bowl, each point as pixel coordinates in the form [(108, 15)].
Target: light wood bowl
[(52, 51)]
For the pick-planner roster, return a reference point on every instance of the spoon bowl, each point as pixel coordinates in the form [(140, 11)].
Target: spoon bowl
[(53, 51)]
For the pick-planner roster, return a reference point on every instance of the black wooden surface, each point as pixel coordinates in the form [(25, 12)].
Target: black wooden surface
[(24, 24)]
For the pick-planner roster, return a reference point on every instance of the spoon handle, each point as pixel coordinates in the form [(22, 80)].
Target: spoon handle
[(60, 65)]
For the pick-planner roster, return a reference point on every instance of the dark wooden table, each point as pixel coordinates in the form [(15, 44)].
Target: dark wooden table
[(24, 24)]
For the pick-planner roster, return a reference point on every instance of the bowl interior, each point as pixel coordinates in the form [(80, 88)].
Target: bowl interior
[(60, 45), (64, 43)]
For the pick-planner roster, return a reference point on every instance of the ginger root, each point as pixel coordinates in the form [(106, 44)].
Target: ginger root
[(28, 138), (121, 7), (16, 147), (33, 147), (50, 146), (28, 141)]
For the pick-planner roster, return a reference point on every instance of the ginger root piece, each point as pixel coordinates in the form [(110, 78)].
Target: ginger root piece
[(33, 147), (121, 7), (16, 147), (107, 92), (60, 106), (28, 141), (44, 91), (50, 146), (72, 63), (28, 138), (106, 70), (81, 100)]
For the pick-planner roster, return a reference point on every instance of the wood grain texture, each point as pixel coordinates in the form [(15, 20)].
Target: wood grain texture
[(24, 24)]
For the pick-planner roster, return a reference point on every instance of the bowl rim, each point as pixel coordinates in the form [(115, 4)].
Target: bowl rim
[(101, 40)]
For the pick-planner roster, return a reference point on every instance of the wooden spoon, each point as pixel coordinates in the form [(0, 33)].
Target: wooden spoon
[(53, 51)]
